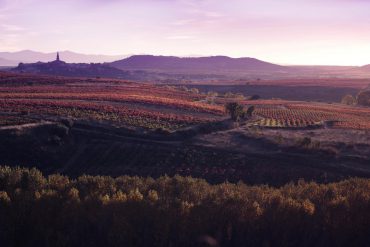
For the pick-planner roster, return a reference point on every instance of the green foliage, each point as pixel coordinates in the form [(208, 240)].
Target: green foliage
[(178, 211)]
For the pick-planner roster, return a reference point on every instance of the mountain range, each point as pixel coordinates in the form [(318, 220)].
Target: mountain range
[(142, 66), (162, 68), (5, 62), (143, 62)]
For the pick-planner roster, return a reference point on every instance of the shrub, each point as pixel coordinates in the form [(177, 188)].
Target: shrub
[(254, 97)]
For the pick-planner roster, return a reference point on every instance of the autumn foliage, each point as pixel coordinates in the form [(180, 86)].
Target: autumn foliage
[(179, 211)]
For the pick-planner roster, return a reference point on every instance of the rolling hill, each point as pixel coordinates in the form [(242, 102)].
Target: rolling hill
[(205, 64), (61, 68)]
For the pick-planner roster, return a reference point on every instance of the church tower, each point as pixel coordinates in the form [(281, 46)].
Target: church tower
[(58, 57)]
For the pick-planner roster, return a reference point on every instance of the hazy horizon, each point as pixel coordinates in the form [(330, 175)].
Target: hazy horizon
[(333, 32), (147, 54)]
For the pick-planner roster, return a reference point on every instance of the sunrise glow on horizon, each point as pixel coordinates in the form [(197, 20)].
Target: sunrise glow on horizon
[(296, 32)]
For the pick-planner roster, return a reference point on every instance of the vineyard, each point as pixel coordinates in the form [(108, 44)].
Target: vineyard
[(289, 114), (109, 127), (117, 102), (24, 98)]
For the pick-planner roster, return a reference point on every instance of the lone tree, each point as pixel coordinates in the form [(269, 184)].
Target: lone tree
[(348, 100), (363, 98), (235, 110)]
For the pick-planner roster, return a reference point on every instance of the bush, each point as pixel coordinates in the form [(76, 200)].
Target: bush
[(212, 94), (348, 100), (254, 97)]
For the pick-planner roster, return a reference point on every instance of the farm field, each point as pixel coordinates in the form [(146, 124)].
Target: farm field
[(297, 92), (115, 127), (290, 114), (148, 106), (115, 102), (333, 82)]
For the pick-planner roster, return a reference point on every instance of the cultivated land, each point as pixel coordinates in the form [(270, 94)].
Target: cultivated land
[(329, 90), (114, 127), (142, 164)]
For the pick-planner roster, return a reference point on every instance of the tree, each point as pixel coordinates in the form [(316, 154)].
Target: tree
[(235, 110), (254, 97), (363, 98), (348, 100), (250, 111)]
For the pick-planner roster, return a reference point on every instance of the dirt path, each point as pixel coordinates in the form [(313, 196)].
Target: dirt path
[(24, 126)]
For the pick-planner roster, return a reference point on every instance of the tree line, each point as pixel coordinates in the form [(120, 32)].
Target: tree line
[(56, 210)]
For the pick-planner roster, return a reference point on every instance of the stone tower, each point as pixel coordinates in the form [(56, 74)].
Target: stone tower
[(58, 57)]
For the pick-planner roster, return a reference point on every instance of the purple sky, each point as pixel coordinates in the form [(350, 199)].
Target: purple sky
[(333, 32)]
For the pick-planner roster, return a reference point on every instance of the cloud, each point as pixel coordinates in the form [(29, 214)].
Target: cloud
[(181, 37)]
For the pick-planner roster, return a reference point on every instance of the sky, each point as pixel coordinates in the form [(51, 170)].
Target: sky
[(300, 32)]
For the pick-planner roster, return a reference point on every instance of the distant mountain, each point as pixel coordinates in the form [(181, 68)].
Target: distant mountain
[(28, 56), (200, 64), (61, 68), (6, 62), (366, 67)]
